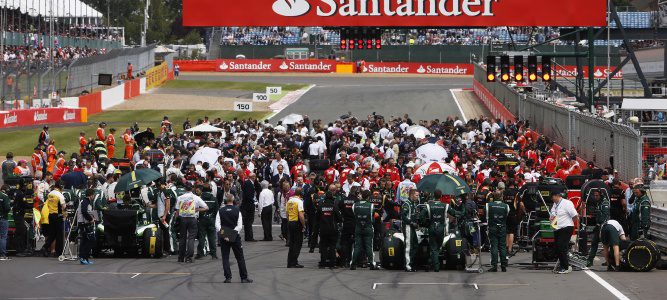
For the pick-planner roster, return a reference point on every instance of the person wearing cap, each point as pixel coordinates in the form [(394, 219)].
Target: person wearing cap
[(563, 215), (496, 213), (22, 168), (111, 143), (296, 226), (86, 217), (188, 206), (363, 230), (597, 213), (640, 216), (44, 137)]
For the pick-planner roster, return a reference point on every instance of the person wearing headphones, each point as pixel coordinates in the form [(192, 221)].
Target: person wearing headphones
[(640, 216)]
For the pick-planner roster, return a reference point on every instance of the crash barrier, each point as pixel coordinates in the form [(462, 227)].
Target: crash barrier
[(605, 143), (331, 66), (82, 74), (658, 231), (42, 116), (156, 76)]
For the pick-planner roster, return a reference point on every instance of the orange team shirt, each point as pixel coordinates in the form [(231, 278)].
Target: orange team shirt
[(127, 138), (111, 140), (36, 162), (100, 134), (51, 151)]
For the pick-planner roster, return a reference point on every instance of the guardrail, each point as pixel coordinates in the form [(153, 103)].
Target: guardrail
[(658, 231)]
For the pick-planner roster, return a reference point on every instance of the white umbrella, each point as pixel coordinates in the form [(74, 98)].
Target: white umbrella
[(206, 154), (418, 131), (431, 153), (205, 128), (432, 168), (292, 119)]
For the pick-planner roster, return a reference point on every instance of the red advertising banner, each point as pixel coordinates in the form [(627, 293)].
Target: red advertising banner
[(598, 72), (276, 65), (30, 117), (408, 13), (418, 68)]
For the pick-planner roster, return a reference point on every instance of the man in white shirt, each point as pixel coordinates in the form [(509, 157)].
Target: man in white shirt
[(563, 215), (316, 150), (266, 201), (175, 169), (278, 161), (611, 235), (188, 207)]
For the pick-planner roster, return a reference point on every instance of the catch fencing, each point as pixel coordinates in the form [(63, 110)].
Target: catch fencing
[(607, 144), (658, 231), (83, 72)]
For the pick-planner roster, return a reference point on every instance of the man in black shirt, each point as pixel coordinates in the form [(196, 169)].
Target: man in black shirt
[(228, 219), (86, 219), (248, 206), (328, 217)]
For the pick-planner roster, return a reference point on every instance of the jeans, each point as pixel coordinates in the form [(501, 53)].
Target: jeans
[(562, 238), (87, 235), (4, 227), (186, 241), (238, 254)]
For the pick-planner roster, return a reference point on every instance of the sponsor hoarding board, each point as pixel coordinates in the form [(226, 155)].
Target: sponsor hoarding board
[(276, 65), (392, 13), (243, 106), (39, 116)]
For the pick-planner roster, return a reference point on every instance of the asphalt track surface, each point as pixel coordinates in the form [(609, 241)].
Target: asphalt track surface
[(422, 98), (42, 278)]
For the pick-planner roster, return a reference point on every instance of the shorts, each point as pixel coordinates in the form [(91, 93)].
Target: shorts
[(609, 236), (512, 224)]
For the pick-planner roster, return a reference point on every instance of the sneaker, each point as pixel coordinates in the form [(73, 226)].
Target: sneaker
[(188, 260), (503, 269), (228, 280), (84, 262), (246, 280), (493, 269), (89, 262), (4, 258), (561, 271)]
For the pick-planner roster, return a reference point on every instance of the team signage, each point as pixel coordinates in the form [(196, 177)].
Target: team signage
[(410, 13)]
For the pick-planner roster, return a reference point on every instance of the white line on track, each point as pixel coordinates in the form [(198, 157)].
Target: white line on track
[(288, 100), (606, 285), (456, 100), (475, 285)]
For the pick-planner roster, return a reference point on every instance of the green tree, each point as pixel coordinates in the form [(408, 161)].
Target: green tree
[(191, 38)]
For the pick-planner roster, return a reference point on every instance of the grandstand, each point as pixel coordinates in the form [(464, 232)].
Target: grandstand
[(36, 52), (452, 36)]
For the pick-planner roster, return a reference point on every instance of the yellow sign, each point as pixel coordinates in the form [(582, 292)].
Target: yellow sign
[(156, 76), (391, 251), (458, 243)]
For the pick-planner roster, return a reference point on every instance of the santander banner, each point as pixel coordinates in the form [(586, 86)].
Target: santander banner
[(418, 68), (39, 116), (276, 65), (410, 13)]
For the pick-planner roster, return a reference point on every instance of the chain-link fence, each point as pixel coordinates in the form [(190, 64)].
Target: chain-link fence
[(609, 145), (83, 72), (23, 81)]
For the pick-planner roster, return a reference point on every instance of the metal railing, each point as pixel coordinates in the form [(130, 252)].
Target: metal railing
[(594, 139), (658, 231)]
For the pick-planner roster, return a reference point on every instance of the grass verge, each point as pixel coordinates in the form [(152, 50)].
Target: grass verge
[(22, 141)]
